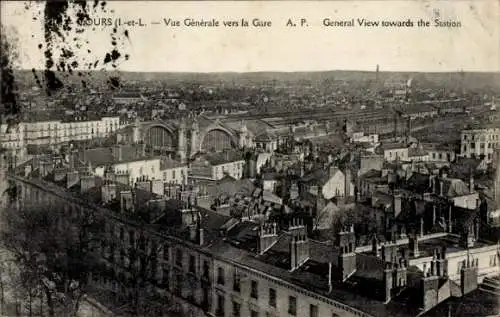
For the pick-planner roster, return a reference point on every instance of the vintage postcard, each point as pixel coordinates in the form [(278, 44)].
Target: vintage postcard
[(250, 158)]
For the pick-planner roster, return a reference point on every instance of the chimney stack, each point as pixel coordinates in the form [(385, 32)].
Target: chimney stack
[(72, 178), (86, 183), (299, 245), (469, 275), (375, 245), (397, 203), (346, 241), (108, 192), (347, 186), (127, 201), (414, 245), (267, 237), (471, 183)]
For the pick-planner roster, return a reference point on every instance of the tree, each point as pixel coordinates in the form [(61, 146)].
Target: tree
[(135, 292), (53, 252), (8, 55)]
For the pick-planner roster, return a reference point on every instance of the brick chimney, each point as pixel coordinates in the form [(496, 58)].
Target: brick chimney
[(469, 275), (108, 192), (395, 276), (72, 178), (375, 246), (143, 183), (429, 285), (471, 183), (86, 183), (413, 245), (117, 153), (467, 238), (347, 184), (196, 232), (397, 203), (294, 191), (346, 241), (122, 177), (299, 244), (388, 282), (440, 262), (59, 174), (267, 237), (127, 201)]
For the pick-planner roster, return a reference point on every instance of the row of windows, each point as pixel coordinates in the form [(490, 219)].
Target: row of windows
[(482, 137), (292, 308), (254, 293)]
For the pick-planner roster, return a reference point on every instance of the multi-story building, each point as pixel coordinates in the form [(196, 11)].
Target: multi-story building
[(479, 141), (12, 141), (393, 151), (216, 166), (439, 153), (211, 264), (17, 138), (59, 131)]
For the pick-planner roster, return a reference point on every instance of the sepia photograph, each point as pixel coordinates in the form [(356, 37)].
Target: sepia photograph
[(250, 158)]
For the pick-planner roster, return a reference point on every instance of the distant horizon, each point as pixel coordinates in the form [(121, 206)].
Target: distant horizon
[(267, 71)]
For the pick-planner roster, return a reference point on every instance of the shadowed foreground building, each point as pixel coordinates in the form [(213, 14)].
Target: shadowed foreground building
[(216, 265)]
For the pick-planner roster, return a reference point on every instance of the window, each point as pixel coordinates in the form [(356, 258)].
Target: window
[(220, 305), (220, 276), (131, 238), (236, 309), (237, 282), (178, 258), (272, 297), (493, 260), (473, 145), (440, 155), (254, 292), (173, 174), (165, 277), (192, 264), (178, 284), (205, 270), (313, 310), (166, 254), (254, 313), (292, 305)]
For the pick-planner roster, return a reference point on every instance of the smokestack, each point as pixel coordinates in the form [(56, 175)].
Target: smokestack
[(471, 183)]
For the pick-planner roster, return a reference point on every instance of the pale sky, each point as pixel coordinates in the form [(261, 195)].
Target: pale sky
[(473, 47)]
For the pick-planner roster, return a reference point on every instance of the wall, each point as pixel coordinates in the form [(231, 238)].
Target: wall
[(455, 259), (234, 169), (174, 174), (367, 163), (391, 155), (262, 303), (485, 142), (467, 201), (149, 168)]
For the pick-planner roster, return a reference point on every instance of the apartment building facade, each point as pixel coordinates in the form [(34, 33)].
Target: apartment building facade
[(480, 141)]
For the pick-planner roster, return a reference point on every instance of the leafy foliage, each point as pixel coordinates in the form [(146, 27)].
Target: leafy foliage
[(53, 252)]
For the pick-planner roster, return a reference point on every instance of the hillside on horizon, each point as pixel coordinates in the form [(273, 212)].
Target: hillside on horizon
[(470, 79)]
